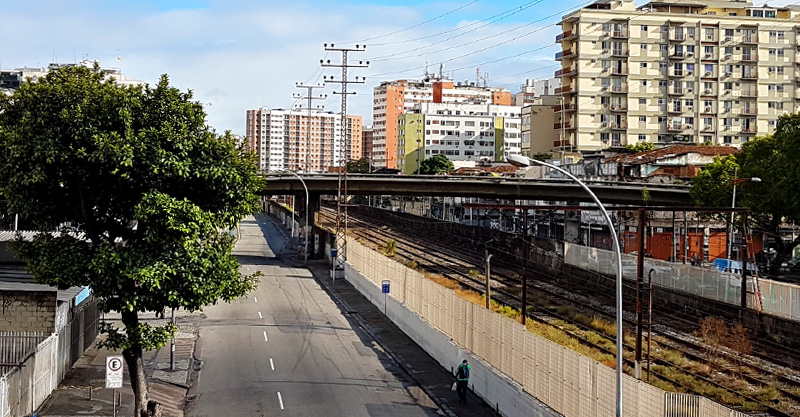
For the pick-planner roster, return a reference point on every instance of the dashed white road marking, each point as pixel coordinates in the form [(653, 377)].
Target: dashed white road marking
[(260, 316), (266, 339), (255, 299), (280, 399), (271, 365)]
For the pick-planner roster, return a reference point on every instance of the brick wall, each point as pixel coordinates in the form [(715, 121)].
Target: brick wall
[(32, 311)]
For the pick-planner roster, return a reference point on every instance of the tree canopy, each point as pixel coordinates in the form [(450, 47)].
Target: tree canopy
[(435, 165), (775, 199), (360, 166), (133, 196)]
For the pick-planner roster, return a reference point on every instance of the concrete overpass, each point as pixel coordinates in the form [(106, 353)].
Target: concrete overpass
[(485, 187)]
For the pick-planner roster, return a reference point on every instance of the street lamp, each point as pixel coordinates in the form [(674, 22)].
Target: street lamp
[(524, 161), (305, 253), (733, 206)]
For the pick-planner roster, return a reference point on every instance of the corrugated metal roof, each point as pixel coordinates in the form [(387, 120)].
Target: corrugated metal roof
[(654, 155), (16, 278)]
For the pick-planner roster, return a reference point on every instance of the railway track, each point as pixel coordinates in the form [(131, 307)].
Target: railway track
[(457, 264)]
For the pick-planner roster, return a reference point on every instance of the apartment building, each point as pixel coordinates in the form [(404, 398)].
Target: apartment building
[(366, 142), (292, 140), (393, 98), (533, 89), (676, 72), (462, 132), (11, 79), (538, 135)]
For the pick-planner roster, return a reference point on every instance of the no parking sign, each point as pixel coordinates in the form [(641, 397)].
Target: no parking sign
[(114, 367)]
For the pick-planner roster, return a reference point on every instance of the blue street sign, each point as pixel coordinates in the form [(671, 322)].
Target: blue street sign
[(334, 253), (385, 286)]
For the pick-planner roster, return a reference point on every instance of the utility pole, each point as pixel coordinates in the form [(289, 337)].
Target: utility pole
[(341, 206), (309, 96), (639, 282)]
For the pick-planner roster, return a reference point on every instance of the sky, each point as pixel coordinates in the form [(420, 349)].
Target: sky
[(237, 55)]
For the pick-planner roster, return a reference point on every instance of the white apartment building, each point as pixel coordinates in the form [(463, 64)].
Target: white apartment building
[(291, 140), (462, 132), (11, 79), (533, 89), (393, 98), (687, 71)]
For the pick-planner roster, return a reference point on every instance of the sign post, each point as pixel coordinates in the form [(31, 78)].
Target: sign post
[(114, 376), (385, 290), (334, 253)]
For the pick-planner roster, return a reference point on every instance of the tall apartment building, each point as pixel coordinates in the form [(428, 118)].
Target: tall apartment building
[(462, 132), (537, 121), (366, 142), (687, 71), (279, 138), (393, 98)]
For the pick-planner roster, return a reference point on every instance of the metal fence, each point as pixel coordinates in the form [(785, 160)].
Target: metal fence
[(39, 370), (14, 346), (778, 298), (568, 382)]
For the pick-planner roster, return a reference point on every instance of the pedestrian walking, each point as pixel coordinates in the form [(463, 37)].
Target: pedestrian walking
[(462, 381)]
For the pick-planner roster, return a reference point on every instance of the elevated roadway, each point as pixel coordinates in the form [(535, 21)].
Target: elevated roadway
[(484, 187)]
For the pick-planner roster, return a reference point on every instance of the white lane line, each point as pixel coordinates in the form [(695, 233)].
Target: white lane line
[(271, 365), (255, 298), (266, 339), (260, 316), (280, 400)]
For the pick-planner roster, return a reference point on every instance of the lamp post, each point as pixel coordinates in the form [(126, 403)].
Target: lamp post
[(305, 253), (733, 206), (523, 161)]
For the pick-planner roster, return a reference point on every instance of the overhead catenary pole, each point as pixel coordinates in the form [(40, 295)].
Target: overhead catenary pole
[(309, 97), (341, 206)]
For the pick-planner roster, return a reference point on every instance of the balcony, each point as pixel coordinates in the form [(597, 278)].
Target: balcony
[(676, 73), (619, 53), (677, 37), (564, 90), (708, 92), (565, 36), (676, 91), (749, 58), (677, 55), (710, 57), (748, 129), (565, 125), (569, 53), (752, 92), (708, 128), (566, 72), (619, 71), (708, 74), (618, 108), (749, 110), (619, 89), (620, 34), (675, 109), (709, 110), (561, 144), (753, 75), (617, 126), (750, 39), (675, 127)]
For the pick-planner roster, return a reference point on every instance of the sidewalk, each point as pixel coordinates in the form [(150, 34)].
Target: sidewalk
[(435, 381), (168, 387)]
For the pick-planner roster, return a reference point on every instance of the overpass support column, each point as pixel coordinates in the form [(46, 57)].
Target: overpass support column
[(572, 224), (316, 241)]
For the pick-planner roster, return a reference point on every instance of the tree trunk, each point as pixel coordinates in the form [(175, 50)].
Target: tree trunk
[(133, 358)]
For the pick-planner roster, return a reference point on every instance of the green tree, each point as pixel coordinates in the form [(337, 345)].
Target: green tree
[(132, 194), (360, 166), (639, 147), (435, 165), (775, 199)]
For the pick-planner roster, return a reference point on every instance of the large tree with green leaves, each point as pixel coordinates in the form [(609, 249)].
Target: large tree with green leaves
[(359, 166), (435, 165), (775, 200), (133, 195)]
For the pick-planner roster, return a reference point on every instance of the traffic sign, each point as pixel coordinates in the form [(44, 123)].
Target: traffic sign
[(385, 286), (334, 253), (114, 369)]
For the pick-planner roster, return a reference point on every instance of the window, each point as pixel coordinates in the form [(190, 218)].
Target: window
[(642, 101), (644, 29), (773, 34), (729, 32), (781, 52), (643, 46), (663, 47), (604, 137), (662, 119), (643, 65), (771, 122), (642, 119), (661, 101), (781, 34), (642, 137), (662, 83)]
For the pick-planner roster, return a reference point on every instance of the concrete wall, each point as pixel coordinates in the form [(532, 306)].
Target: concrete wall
[(496, 389), (30, 311)]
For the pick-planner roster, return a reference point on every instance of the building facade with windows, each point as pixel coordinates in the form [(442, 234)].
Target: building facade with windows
[(676, 72), (292, 140), (462, 132), (393, 98)]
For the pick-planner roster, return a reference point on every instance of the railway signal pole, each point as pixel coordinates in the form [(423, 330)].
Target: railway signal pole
[(309, 96), (341, 206)]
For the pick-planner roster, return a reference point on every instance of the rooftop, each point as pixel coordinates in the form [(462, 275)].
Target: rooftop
[(669, 152)]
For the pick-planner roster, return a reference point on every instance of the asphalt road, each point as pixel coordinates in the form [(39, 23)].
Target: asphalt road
[(287, 350)]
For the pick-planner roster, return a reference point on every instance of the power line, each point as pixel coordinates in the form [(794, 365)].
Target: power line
[(416, 25)]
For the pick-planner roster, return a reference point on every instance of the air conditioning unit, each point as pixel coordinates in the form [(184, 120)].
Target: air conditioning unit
[(689, 90), (689, 108), (707, 127), (605, 106), (709, 56), (604, 88), (708, 73), (728, 38), (605, 51), (726, 92), (690, 54), (605, 70), (708, 91), (709, 37), (708, 110), (728, 74), (687, 127), (604, 124), (727, 127), (726, 110), (728, 56), (689, 72)]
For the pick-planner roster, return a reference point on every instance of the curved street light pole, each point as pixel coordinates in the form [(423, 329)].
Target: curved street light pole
[(524, 161), (305, 252)]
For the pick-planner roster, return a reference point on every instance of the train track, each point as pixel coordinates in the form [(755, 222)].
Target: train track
[(457, 264)]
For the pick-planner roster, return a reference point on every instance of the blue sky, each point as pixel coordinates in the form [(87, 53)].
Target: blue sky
[(243, 54)]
